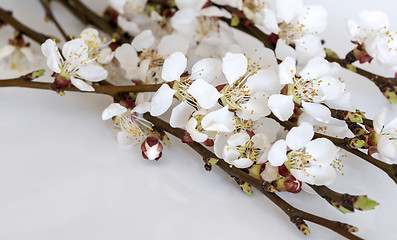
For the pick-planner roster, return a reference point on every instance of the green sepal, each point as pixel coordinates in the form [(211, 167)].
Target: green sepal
[(391, 96), (246, 188), (331, 53), (364, 203), (352, 68), (212, 161), (254, 171), (356, 117), (165, 139), (37, 74), (304, 229), (235, 20), (357, 143)]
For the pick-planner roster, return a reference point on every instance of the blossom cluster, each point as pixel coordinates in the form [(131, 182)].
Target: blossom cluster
[(228, 95)]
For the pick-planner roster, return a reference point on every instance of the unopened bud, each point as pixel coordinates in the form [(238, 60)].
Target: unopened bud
[(289, 184), (151, 148)]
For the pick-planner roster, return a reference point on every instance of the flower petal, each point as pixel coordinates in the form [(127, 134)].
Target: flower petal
[(255, 108), (75, 51), (220, 121), (317, 111), (114, 109), (322, 150), (27, 52), (105, 56), (316, 68), (92, 72), (234, 66), (208, 69), (173, 67), (298, 137), (82, 85), (205, 94), (238, 139), (243, 163), (180, 115), (282, 106), (278, 153), (270, 173), (162, 100), (379, 120), (6, 51), (173, 43), (194, 134), (265, 80), (127, 57), (287, 70), (283, 50), (288, 9), (143, 41)]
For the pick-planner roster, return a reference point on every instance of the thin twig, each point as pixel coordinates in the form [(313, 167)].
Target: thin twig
[(50, 16)]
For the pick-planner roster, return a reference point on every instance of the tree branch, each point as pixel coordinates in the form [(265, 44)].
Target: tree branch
[(50, 16)]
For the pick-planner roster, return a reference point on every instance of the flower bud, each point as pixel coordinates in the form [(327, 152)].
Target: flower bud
[(152, 148)]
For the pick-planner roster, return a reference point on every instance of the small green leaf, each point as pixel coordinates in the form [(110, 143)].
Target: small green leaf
[(364, 203), (213, 161), (391, 96), (356, 117), (357, 143), (246, 188), (304, 229), (351, 67), (235, 20), (37, 74), (331, 53)]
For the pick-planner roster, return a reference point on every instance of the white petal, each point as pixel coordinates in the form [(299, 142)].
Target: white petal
[(234, 66), (75, 51), (220, 121), (194, 134), (315, 175), (287, 70), (388, 148), (142, 108), (282, 106), (322, 150), (265, 80), (180, 115), (299, 136), (143, 41), (82, 85), (173, 43), (6, 51), (213, 11), (208, 69), (307, 48), (283, 50), (129, 26), (205, 94), (105, 56), (219, 144), (194, 4), (238, 139), (27, 52), (243, 163), (374, 20), (314, 19), (379, 120), (118, 5), (127, 57), (316, 68), (270, 173), (143, 68), (262, 143), (270, 21), (114, 109), (49, 47), (288, 9), (125, 139), (317, 111), (174, 66), (92, 73), (162, 100), (90, 35), (278, 153), (267, 126), (255, 108)]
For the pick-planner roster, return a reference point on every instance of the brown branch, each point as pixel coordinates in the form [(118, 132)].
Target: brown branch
[(7, 17), (293, 213), (101, 89), (86, 15), (50, 16)]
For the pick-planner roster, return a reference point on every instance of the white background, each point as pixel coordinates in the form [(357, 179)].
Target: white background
[(63, 175)]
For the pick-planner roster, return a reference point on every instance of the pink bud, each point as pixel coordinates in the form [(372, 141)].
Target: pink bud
[(151, 148)]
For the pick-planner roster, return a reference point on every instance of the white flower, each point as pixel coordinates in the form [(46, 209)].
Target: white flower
[(314, 85), (73, 64), (96, 48), (308, 161), (249, 86), (386, 136), (372, 31), (131, 124), (242, 151), (18, 54)]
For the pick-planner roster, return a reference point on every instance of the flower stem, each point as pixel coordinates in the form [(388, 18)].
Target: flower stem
[(7, 17), (293, 213)]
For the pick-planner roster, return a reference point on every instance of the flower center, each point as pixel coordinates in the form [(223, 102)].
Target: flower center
[(237, 94), (248, 151), (291, 32)]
